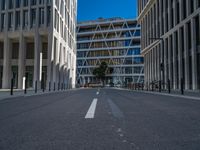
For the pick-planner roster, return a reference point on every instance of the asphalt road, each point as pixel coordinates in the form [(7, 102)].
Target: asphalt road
[(105, 119)]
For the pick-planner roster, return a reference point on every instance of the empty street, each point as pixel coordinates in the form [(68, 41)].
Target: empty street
[(99, 119)]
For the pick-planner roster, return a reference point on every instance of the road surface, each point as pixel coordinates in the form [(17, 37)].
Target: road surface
[(99, 119)]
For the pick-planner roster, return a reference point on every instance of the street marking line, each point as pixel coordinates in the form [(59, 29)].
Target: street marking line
[(115, 109), (91, 111)]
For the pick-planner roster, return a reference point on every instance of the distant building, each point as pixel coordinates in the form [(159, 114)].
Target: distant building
[(115, 41), (37, 41), (171, 42)]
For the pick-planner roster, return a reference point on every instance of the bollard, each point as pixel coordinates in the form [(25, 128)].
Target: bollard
[(49, 86), (43, 87), (25, 91), (35, 86), (54, 86), (11, 88), (169, 90), (160, 86), (182, 88)]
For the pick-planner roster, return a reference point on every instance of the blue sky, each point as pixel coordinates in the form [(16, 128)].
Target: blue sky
[(93, 9)]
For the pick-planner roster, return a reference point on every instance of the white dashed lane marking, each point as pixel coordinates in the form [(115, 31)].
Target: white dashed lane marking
[(91, 112)]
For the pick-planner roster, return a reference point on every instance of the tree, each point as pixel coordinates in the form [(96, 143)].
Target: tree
[(100, 72)]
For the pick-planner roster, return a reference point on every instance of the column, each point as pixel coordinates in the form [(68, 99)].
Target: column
[(174, 61), (150, 66), (21, 61), (156, 62), (188, 7), (56, 62), (148, 56), (37, 60), (194, 54), (45, 13), (165, 63), (175, 13), (164, 15), (50, 60), (159, 62), (169, 59), (186, 55), (180, 57), (169, 14), (162, 61), (161, 15), (181, 9), (145, 69), (7, 64)]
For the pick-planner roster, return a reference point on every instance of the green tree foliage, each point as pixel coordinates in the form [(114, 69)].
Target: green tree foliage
[(100, 72)]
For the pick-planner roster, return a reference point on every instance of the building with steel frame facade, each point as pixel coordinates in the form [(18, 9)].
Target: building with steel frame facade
[(115, 41), (171, 42), (37, 42)]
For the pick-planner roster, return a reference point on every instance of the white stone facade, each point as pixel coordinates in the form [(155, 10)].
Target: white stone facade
[(171, 42), (38, 42)]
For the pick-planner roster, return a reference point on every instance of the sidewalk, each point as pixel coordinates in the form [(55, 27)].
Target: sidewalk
[(187, 94), (5, 93)]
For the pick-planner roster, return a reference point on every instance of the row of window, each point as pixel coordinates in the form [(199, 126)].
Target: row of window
[(115, 61), (29, 51), (110, 35), (106, 27), (116, 70), (123, 43), (24, 21), (11, 4), (122, 52)]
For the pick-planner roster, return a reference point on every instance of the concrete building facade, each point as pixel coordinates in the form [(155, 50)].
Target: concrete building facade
[(171, 42), (37, 43), (115, 41)]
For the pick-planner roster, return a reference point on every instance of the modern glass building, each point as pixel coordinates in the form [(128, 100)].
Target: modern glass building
[(171, 42), (115, 41), (37, 43)]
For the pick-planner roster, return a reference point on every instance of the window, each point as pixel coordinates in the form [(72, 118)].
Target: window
[(18, 3), (48, 1), (41, 16), (25, 2), (30, 51), (33, 2), (41, 1), (11, 4), (1, 50), (33, 17), (198, 3), (10, 20), (48, 15), (25, 18), (2, 21), (18, 20), (197, 30), (3, 2), (137, 33), (15, 51)]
